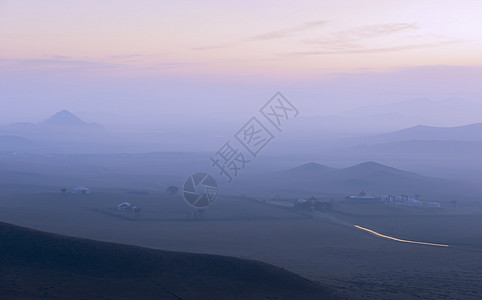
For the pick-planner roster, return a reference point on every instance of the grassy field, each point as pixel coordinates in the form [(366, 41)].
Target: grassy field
[(328, 250)]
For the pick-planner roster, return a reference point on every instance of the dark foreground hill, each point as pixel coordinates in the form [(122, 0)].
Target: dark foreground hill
[(38, 265)]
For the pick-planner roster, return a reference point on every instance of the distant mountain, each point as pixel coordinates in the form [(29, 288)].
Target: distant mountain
[(12, 139), (21, 125), (383, 179), (417, 149), (310, 168), (471, 132), (335, 127), (424, 110), (372, 177), (367, 169), (60, 120), (38, 265), (14, 143), (411, 105), (362, 170), (62, 132), (64, 118)]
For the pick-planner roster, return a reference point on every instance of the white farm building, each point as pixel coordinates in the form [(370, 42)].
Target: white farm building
[(80, 190)]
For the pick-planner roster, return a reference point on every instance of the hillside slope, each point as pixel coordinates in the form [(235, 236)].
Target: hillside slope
[(36, 265)]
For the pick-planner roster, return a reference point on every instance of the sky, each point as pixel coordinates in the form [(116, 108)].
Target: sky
[(136, 62)]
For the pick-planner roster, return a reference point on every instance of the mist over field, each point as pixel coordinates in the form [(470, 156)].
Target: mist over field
[(263, 150)]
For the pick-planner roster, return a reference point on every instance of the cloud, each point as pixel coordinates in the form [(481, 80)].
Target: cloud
[(213, 47), (354, 41), (62, 63), (287, 32), (165, 66), (65, 63), (59, 57), (348, 39), (277, 34), (372, 50), (55, 64), (372, 31), (125, 56)]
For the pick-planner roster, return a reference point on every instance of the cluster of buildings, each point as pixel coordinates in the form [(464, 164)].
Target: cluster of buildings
[(312, 204), (128, 207), (124, 206), (80, 190), (403, 200)]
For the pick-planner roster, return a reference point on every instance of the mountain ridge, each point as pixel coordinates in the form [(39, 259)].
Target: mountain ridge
[(469, 132), (373, 177), (310, 167)]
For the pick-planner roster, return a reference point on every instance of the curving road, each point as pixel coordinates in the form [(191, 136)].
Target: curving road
[(398, 240)]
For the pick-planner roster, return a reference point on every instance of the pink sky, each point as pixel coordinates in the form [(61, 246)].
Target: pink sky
[(269, 38), (171, 49)]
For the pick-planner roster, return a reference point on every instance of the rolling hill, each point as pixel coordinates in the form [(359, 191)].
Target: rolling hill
[(310, 168), (372, 177), (37, 265), (372, 168), (382, 179)]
